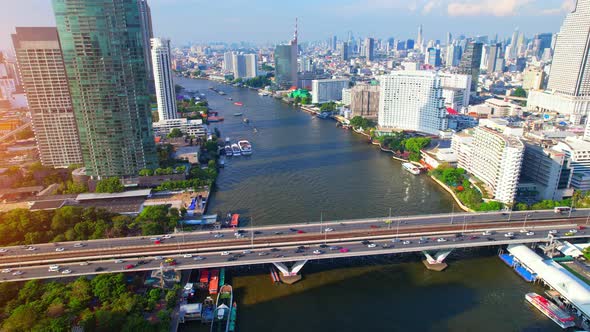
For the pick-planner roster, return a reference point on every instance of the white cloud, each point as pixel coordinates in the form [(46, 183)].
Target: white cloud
[(486, 7), (430, 5)]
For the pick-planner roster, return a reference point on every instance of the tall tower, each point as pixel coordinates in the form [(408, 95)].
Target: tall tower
[(369, 48), (44, 78), (420, 39), (163, 79), (294, 54), (570, 70), (147, 33), (471, 62), (103, 52)]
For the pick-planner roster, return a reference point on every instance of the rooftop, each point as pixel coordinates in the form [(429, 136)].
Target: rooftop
[(125, 194)]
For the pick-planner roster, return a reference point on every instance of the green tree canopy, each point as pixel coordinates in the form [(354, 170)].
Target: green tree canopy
[(110, 185)]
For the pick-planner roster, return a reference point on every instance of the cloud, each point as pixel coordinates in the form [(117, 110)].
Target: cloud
[(430, 5), (486, 7)]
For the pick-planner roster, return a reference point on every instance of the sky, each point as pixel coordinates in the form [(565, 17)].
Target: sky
[(271, 21)]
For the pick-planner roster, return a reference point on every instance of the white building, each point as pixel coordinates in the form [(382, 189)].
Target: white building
[(577, 152), (228, 62), (323, 91), (412, 100), (346, 96), (456, 90), (547, 102), (493, 158), (163, 79), (187, 127), (244, 65)]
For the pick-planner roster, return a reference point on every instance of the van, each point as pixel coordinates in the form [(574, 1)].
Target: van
[(53, 268)]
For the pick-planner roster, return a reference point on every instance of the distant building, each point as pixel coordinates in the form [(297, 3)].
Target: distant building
[(45, 81), (495, 60), (456, 90), (547, 169), (369, 49), (286, 63), (323, 91), (470, 63), (164, 79), (412, 100), (533, 78), (453, 55), (147, 33), (434, 57), (577, 152), (187, 127), (244, 65), (365, 101), (343, 49), (346, 97)]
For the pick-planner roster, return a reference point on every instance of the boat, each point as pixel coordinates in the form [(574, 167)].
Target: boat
[(411, 168), (228, 150), (222, 277), (227, 140), (235, 149), (246, 120), (235, 220), (245, 147), (204, 278), (237, 103), (238, 114), (232, 317), (207, 310), (221, 162), (214, 282), (255, 130), (221, 316), (551, 310), (215, 119), (324, 115), (222, 93)]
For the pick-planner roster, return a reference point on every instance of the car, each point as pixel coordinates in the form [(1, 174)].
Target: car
[(394, 240), (79, 245), (343, 250), (119, 261), (240, 236), (60, 249), (486, 233), (299, 251), (300, 231), (278, 233), (246, 252), (553, 231), (302, 247), (172, 263), (169, 260), (17, 273), (317, 252), (406, 242), (292, 229), (224, 253), (573, 230), (218, 235), (473, 237), (6, 270), (334, 248), (154, 239), (31, 248), (386, 245), (66, 271), (53, 268), (371, 245), (141, 262), (187, 256), (491, 239), (199, 258), (231, 259), (167, 236), (441, 239), (239, 255), (323, 246), (523, 231), (509, 234), (238, 233), (263, 253), (275, 249), (99, 269), (366, 242), (84, 263), (3, 250), (158, 258), (329, 229), (257, 232), (374, 226), (530, 233), (157, 242), (129, 266), (569, 234)]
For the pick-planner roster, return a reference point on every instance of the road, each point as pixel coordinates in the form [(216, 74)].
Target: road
[(287, 252)]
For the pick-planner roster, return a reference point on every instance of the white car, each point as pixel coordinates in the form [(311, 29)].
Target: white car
[(246, 252), (17, 273), (167, 236), (3, 250), (158, 258), (486, 233), (119, 261), (84, 264), (31, 248), (6, 270), (155, 239), (573, 231), (60, 249), (329, 229), (218, 235), (66, 271), (394, 240), (79, 245), (317, 252), (524, 231), (187, 256), (263, 253), (371, 245), (509, 234), (530, 233), (225, 253), (441, 239), (553, 231), (53, 268), (406, 242), (199, 258)]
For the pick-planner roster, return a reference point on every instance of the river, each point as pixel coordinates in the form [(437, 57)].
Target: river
[(304, 168)]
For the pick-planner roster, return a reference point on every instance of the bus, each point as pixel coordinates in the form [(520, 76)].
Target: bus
[(561, 209)]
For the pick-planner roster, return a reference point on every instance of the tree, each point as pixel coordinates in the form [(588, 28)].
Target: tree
[(175, 133), (23, 318), (110, 185), (519, 92), (146, 172)]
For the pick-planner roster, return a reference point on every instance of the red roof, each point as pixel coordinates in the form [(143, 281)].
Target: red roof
[(452, 111)]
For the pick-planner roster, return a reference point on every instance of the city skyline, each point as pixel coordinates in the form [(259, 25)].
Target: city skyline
[(176, 19)]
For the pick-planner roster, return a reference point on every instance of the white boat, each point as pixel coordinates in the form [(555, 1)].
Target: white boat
[(228, 150), (551, 310), (411, 168), (236, 149), (245, 147)]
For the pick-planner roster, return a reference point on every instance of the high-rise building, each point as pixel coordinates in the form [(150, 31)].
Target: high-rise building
[(420, 39), (286, 63), (513, 45), (410, 44), (470, 63), (541, 42), (495, 59), (333, 43), (434, 57), (456, 90), (364, 101), (147, 33), (228, 62), (323, 91), (449, 38), (369, 49), (103, 52), (164, 81), (453, 55), (343, 50), (533, 78), (412, 100), (251, 65), (44, 78)]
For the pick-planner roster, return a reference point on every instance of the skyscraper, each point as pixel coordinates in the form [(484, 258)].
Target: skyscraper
[(470, 63), (147, 33), (434, 57), (513, 45), (369, 48), (44, 78), (343, 50), (420, 39), (164, 81), (412, 100), (286, 63), (103, 52), (570, 70), (228, 61), (495, 60)]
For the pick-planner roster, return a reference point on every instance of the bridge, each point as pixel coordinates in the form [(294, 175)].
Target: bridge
[(432, 234)]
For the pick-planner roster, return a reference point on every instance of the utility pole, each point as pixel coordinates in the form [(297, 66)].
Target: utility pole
[(588, 218), (453, 214), (524, 224), (252, 233), (321, 222), (572, 207)]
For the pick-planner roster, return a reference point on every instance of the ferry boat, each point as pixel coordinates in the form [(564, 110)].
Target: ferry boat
[(228, 150), (214, 282), (237, 103), (232, 318), (208, 309), (235, 149), (238, 114), (246, 120), (245, 147), (411, 168), (556, 314), (221, 316)]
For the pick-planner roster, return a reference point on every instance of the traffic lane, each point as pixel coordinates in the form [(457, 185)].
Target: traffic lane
[(253, 256)]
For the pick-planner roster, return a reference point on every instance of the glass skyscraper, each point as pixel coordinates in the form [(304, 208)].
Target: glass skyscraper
[(470, 63), (103, 52)]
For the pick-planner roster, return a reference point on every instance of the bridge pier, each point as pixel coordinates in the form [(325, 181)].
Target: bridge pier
[(437, 263), (290, 276)]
